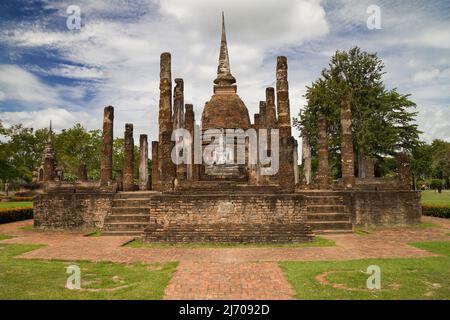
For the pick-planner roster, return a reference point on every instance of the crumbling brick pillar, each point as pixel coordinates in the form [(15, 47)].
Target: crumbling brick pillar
[(82, 172), (128, 159), (296, 173), (271, 110), (179, 121), (306, 158), (323, 173), (271, 123), (370, 168), (143, 162), (106, 159), (262, 115), (189, 123), (404, 171), (286, 171), (155, 171), (347, 153), (166, 166)]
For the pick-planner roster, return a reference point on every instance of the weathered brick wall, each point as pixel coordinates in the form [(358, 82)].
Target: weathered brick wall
[(72, 211), (385, 208), (228, 218)]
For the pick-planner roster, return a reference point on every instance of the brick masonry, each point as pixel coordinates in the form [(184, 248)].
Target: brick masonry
[(227, 218), (72, 211)]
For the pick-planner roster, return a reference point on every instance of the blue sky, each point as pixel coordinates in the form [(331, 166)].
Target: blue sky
[(50, 72)]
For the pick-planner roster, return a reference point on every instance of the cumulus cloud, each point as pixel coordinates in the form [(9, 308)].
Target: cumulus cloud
[(61, 118), (125, 53), (19, 84), (115, 56)]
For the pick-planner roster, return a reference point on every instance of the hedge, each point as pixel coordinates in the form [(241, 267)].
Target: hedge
[(436, 211), (22, 199), (15, 214)]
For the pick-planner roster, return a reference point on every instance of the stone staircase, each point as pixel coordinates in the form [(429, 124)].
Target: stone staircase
[(327, 213), (130, 214), (326, 210)]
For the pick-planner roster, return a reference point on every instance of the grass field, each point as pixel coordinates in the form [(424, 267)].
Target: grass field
[(433, 198), (317, 242), (15, 204), (41, 279), (421, 278)]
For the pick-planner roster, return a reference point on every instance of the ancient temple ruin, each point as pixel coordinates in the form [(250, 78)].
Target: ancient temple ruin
[(222, 177)]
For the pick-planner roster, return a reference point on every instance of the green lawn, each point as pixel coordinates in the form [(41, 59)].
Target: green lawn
[(433, 198), (317, 242), (41, 279), (13, 204), (421, 278)]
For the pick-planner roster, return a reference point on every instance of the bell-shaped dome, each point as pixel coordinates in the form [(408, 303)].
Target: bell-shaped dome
[(225, 111)]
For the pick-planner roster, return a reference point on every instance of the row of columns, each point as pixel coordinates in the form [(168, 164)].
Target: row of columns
[(347, 154), (106, 159)]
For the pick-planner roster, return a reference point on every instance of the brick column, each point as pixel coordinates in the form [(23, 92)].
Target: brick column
[(306, 157), (143, 162), (271, 109), (323, 174), (128, 159), (178, 120), (283, 107), (262, 115), (370, 168), (106, 158), (165, 165), (155, 171), (286, 171), (404, 171), (189, 123), (82, 172), (347, 154)]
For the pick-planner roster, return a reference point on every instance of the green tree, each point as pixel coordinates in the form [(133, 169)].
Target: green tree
[(20, 152), (382, 120), (76, 145)]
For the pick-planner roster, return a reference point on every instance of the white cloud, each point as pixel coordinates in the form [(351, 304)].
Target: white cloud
[(61, 118), (19, 84), (427, 75), (124, 53)]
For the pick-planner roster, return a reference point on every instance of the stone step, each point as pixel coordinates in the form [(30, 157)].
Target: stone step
[(127, 218), (309, 193), (133, 202), (328, 217), (125, 226), (330, 225), (130, 210), (319, 232), (135, 194), (135, 234), (321, 200), (325, 208)]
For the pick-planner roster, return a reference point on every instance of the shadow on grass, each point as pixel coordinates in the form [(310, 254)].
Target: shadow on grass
[(317, 242), (414, 278), (46, 279)]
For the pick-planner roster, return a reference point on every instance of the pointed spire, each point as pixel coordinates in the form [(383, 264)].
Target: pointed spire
[(224, 77), (50, 134)]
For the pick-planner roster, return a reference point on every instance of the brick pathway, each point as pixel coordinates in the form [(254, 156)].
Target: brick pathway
[(240, 273), (224, 281)]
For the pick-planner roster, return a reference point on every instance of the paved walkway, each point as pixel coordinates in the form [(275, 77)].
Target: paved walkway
[(238, 273)]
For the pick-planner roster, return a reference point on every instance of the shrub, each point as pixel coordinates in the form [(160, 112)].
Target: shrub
[(22, 199), (436, 211), (437, 184), (15, 214)]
